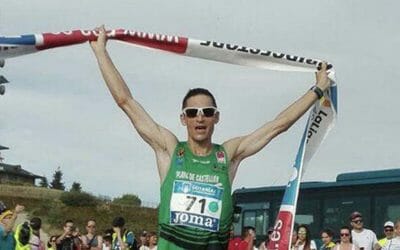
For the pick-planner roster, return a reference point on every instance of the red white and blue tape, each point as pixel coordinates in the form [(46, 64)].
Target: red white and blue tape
[(320, 121)]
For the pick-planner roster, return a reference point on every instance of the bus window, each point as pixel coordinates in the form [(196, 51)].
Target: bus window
[(249, 219), (308, 213), (337, 211), (258, 219), (262, 222), (387, 207)]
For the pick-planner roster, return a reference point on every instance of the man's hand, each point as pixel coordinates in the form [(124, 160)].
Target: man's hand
[(19, 209), (117, 230), (322, 79), (99, 45)]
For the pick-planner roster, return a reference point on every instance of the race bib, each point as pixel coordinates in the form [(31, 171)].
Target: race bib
[(196, 204)]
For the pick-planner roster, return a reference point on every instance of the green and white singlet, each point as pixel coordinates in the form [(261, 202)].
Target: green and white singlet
[(196, 204)]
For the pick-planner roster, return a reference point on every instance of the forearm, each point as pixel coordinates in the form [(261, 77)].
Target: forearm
[(291, 114), (59, 239), (245, 146), (250, 245), (113, 78), (121, 242)]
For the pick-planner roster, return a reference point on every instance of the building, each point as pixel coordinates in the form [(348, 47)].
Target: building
[(15, 173)]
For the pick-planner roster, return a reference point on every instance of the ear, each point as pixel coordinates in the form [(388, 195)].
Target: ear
[(183, 120), (216, 118)]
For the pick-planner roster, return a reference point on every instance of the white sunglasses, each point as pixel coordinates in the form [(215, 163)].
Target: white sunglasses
[(192, 112)]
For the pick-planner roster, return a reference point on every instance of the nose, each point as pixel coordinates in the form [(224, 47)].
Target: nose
[(200, 117)]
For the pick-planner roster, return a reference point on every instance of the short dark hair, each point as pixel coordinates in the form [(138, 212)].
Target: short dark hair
[(118, 222), (198, 91), (245, 231), (68, 221), (328, 231), (152, 233), (36, 223), (108, 234), (346, 227)]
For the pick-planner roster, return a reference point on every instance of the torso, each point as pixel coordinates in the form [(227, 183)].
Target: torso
[(196, 195)]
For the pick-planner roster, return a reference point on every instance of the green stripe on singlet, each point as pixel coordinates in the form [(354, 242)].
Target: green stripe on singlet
[(178, 234)]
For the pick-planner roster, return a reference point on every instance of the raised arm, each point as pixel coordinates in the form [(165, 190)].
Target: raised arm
[(10, 223), (241, 147), (159, 138)]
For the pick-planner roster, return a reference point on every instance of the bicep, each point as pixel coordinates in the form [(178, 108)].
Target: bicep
[(158, 137), (245, 146)]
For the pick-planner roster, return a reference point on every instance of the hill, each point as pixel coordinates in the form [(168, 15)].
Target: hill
[(45, 203)]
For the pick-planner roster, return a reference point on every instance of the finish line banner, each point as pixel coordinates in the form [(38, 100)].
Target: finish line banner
[(320, 121)]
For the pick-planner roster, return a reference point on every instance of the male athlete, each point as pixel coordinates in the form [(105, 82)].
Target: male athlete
[(196, 175)]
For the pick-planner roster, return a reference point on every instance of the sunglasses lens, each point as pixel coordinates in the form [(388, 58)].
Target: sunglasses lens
[(344, 234), (208, 112), (191, 112)]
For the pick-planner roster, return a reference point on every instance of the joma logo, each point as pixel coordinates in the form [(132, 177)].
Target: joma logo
[(194, 220)]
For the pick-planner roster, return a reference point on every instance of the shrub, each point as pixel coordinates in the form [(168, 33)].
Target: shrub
[(79, 199), (128, 199)]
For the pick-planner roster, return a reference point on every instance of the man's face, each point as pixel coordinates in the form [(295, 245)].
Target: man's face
[(397, 229), (6, 219), (389, 232), (153, 239), (200, 128), (357, 223), (252, 234), (143, 239), (68, 227)]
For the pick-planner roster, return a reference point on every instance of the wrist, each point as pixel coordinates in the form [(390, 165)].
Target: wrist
[(318, 91)]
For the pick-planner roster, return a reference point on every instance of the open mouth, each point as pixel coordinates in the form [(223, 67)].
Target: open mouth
[(200, 128)]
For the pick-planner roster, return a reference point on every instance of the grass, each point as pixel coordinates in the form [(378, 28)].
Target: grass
[(45, 203)]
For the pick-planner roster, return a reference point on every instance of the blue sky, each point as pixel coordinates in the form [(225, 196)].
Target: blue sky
[(57, 111)]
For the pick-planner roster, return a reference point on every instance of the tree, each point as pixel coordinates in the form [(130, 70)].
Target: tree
[(76, 187), (44, 182), (79, 199), (57, 183), (128, 199)]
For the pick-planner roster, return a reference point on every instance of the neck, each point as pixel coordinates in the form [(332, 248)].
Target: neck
[(200, 148), (358, 230)]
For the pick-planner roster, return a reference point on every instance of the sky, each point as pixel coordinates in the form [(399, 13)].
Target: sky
[(57, 112)]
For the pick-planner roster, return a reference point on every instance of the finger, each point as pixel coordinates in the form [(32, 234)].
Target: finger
[(319, 66), (323, 66), (102, 28)]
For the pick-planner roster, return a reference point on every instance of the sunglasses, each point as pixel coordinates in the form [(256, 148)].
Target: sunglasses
[(357, 221), (344, 235), (388, 229), (192, 112)]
